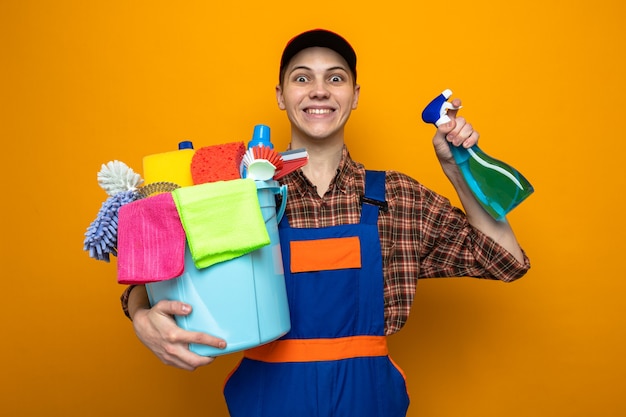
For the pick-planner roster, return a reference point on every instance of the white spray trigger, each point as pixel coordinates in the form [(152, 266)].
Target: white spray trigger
[(443, 118)]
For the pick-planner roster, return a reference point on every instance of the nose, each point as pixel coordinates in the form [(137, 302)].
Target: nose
[(319, 89)]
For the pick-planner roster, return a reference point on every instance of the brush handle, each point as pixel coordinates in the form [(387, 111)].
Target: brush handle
[(283, 203)]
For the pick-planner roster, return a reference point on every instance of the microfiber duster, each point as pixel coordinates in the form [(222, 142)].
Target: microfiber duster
[(121, 183), (217, 163), (101, 235)]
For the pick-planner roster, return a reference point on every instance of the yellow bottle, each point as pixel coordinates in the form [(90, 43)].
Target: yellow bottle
[(173, 166)]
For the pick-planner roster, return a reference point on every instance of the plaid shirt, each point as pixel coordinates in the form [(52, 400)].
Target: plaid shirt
[(421, 234)]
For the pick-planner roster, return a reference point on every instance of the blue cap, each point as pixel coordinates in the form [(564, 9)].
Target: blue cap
[(261, 136), (186, 144)]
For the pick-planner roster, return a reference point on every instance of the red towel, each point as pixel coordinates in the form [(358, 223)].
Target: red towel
[(151, 241)]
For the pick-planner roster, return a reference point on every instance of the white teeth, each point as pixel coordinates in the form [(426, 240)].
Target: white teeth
[(318, 111)]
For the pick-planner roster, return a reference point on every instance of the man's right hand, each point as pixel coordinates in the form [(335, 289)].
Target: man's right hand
[(157, 329)]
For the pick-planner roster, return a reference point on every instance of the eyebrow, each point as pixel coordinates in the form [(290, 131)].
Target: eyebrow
[(304, 67)]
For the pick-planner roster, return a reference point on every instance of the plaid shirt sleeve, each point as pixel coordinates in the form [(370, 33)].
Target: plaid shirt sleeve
[(424, 236)]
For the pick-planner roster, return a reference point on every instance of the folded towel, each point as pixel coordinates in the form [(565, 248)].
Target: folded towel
[(151, 241), (222, 220)]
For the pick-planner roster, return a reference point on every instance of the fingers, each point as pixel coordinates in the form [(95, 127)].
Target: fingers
[(458, 131), (456, 103), (172, 308), (179, 356), (200, 338), (176, 351), (452, 115), (462, 134), (157, 329)]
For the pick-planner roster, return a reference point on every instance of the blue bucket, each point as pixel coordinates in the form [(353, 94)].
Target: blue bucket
[(244, 300)]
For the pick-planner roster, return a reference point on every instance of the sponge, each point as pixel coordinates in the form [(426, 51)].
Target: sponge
[(217, 163)]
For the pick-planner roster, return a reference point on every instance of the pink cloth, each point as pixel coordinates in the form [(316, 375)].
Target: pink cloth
[(151, 241)]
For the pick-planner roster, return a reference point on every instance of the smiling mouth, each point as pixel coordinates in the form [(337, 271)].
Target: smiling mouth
[(318, 111)]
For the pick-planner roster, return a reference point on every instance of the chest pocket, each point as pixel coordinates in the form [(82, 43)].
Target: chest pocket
[(325, 254)]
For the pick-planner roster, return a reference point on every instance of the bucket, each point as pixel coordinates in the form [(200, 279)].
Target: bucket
[(244, 300)]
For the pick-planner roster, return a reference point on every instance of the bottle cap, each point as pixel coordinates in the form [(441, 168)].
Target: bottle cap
[(186, 144), (261, 136)]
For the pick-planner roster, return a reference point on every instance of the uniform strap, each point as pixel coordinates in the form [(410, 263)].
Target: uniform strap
[(374, 199)]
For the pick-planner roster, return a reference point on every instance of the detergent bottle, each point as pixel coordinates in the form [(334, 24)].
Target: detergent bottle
[(172, 166), (497, 186), (261, 136)]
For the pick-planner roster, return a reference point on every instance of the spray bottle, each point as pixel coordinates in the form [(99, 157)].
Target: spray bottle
[(498, 187)]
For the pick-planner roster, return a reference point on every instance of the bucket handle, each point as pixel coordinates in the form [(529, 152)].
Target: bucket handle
[(283, 202)]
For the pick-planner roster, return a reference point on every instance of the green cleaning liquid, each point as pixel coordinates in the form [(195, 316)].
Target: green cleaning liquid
[(497, 186)]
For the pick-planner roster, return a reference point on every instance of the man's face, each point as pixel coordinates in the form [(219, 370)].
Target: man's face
[(318, 92)]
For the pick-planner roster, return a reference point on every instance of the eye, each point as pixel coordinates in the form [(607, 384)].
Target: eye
[(336, 78), (300, 79)]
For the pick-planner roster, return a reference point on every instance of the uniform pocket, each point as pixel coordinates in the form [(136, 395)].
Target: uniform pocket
[(325, 254)]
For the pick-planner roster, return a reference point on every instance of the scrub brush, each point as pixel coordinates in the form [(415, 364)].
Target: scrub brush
[(116, 176), (261, 162), (292, 160)]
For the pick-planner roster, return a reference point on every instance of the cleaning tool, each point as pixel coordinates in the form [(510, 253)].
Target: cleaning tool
[(222, 220), (260, 156), (233, 273), (154, 188), (236, 284), (498, 187), (261, 163), (123, 186), (175, 163), (217, 163), (266, 163), (117, 177), (292, 160), (151, 241), (121, 183), (243, 300), (101, 235)]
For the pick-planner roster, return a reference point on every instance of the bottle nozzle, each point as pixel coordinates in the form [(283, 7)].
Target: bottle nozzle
[(436, 110)]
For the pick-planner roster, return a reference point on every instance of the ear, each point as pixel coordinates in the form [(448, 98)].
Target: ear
[(355, 100), (279, 97)]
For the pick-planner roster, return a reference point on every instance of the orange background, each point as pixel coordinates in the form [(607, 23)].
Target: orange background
[(83, 83)]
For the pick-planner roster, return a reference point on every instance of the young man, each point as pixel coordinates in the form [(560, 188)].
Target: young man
[(373, 235)]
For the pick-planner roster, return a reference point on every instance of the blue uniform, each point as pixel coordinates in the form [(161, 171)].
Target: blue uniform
[(334, 360)]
